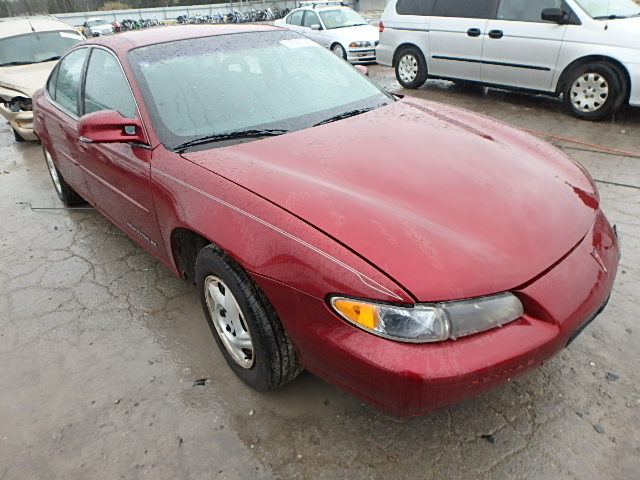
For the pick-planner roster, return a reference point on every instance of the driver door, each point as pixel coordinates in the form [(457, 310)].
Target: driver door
[(118, 174)]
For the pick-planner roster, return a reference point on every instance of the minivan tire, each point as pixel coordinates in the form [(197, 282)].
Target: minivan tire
[(411, 68), (593, 91)]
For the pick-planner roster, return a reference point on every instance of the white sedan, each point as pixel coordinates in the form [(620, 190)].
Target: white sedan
[(336, 27)]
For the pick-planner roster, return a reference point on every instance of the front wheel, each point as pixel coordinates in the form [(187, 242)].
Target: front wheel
[(593, 91), (244, 323), (339, 51), (411, 68)]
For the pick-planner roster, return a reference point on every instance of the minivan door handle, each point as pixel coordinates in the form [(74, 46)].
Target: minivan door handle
[(474, 32), (496, 34)]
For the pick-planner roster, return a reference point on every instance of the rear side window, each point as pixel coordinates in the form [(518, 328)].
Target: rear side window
[(67, 87), (106, 87), (466, 8), (415, 7)]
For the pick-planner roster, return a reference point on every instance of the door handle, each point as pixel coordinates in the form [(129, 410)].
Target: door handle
[(496, 34), (474, 32)]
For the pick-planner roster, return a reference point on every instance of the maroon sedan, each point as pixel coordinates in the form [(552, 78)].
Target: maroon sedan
[(413, 253)]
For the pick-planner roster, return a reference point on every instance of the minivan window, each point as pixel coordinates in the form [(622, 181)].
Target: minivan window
[(525, 10), (610, 8), (466, 8), (415, 7)]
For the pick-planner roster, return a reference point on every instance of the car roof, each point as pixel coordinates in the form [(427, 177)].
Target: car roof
[(20, 26), (324, 8), (138, 38)]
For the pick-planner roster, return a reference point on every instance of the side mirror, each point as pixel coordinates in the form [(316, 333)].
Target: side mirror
[(315, 26), (555, 15), (362, 69), (109, 126)]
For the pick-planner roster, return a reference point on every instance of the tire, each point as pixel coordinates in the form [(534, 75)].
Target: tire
[(411, 68), (339, 50), (593, 91), (67, 194), (17, 136), (244, 323)]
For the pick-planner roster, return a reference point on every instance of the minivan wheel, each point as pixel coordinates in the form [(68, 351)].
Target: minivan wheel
[(65, 193), (411, 68), (244, 323), (593, 91)]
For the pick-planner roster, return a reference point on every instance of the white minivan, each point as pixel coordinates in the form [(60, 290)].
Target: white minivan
[(586, 50)]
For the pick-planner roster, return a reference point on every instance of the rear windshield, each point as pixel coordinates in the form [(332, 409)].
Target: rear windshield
[(36, 47)]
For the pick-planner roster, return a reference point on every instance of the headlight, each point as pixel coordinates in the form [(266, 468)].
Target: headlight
[(431, 322), (359, 44), (17, 104)]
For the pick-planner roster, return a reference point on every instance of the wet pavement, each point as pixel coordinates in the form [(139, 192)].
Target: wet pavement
[(100, 347)]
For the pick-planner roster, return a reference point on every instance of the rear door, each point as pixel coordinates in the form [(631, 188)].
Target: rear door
[(520, 49), (118, 174), (456, 37), (60, 118)]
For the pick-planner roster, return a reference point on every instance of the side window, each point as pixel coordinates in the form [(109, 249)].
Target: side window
[(295, 18), (466, 8), (525, 10), (310, 18), (106, 87), (68, 80), (415, 7), (52, 82)]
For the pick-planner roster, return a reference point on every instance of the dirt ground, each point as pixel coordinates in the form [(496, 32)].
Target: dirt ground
[(100, 347)]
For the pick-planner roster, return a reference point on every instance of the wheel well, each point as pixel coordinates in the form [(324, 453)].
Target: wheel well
[(400, 48), (185, 245), (616, 65)]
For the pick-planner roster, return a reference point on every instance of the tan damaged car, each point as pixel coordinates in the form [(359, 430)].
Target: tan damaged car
[(29, 49)]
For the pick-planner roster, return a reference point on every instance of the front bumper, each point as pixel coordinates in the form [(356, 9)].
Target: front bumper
[(361, 55), (21, 122), (409, 379)]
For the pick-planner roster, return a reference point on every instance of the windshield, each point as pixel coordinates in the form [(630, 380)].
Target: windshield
[(610, 8), (341, 17), (36, 47), (272, 82)]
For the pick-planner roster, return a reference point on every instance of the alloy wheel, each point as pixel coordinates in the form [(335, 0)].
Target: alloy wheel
[(229, 321), (589, 92)]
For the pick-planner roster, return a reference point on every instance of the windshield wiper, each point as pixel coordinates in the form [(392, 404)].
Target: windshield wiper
[(13, 64), (612, 17), (345, 26), (29, 62), (220, 137), (340, 116), (50, 59)]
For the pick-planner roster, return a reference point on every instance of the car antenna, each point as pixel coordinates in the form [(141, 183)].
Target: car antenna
[(31, 25)]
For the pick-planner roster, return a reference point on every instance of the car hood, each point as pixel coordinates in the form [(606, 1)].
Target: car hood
[(629, 27), (26, 79), (447, 203), (356, 33)]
